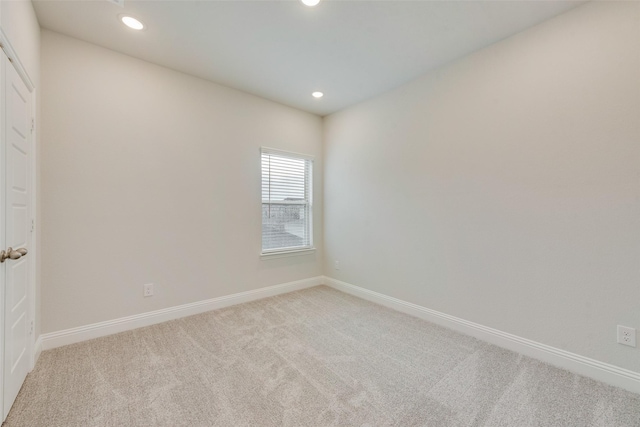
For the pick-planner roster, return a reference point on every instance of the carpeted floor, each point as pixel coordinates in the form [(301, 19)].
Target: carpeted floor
[(316, 357)]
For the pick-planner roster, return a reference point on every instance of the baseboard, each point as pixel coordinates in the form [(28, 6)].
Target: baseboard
[(610, 374), (96, 330)]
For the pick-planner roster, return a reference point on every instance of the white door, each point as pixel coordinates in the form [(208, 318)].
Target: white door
[(16, 228)]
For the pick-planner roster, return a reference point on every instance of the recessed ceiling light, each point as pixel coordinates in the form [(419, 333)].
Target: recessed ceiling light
[(317, 94), (310, 2), (131, 22)]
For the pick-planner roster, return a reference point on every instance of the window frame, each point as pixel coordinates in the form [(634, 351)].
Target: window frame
[(291, 250)]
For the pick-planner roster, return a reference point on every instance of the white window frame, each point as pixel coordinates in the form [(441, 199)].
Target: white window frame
[(296, 250)]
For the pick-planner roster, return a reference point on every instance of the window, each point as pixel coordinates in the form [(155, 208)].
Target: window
[(286, 201)]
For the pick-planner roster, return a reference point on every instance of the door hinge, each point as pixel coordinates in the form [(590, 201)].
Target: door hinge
[(5, 52), (31, 328), (33, 224), (33, 125)]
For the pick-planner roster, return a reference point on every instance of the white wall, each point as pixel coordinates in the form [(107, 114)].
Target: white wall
[(153, 176), (20, 25), (504, 188)]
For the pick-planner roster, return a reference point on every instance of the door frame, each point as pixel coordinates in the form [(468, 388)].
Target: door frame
[(12, 60)]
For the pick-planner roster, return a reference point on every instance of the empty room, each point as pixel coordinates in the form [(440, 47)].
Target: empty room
[(319, 213)]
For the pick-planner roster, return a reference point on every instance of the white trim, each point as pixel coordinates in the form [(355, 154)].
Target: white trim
[(37, 350), (33, 254), (3, 242), (13, 57), (610, 374), (276, 151), (284, 254), (101, 329)]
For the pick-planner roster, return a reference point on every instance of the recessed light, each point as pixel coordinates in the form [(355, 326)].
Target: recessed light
[(131, 22), (310, 2), (317, 94)]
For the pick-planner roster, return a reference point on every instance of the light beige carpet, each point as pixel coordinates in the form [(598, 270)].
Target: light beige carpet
[(317, 357)]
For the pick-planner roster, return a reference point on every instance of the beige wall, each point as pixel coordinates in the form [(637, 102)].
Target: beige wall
[(20, 25), (503, 188), (153, 176)]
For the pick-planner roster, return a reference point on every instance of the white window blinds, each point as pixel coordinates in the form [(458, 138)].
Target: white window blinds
[(286, 201)]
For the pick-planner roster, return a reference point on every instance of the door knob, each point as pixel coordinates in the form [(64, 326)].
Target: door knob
[(12, 254)]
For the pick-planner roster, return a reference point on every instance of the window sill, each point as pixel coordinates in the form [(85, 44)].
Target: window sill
[(284, 254)]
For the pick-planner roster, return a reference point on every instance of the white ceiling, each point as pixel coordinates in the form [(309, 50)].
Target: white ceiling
[(283, 50)]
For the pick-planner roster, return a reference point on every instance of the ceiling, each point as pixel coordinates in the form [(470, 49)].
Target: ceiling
[(283, 50)]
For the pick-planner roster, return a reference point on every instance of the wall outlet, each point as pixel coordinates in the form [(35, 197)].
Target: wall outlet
[(336, 265), (627, 336), (147, 290)]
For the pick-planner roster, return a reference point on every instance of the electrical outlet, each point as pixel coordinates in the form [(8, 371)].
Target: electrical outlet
[(626, 336), (147, 290), (336, 265)]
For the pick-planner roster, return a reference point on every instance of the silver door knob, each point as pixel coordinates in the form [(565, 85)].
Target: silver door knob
[(12, 254)]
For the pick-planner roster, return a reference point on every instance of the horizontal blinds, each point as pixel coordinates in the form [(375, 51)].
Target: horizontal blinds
[(286, 201), (283, 178)]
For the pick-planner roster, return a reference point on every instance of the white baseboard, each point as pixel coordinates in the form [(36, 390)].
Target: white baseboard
[(610, 374), (96, 330)]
